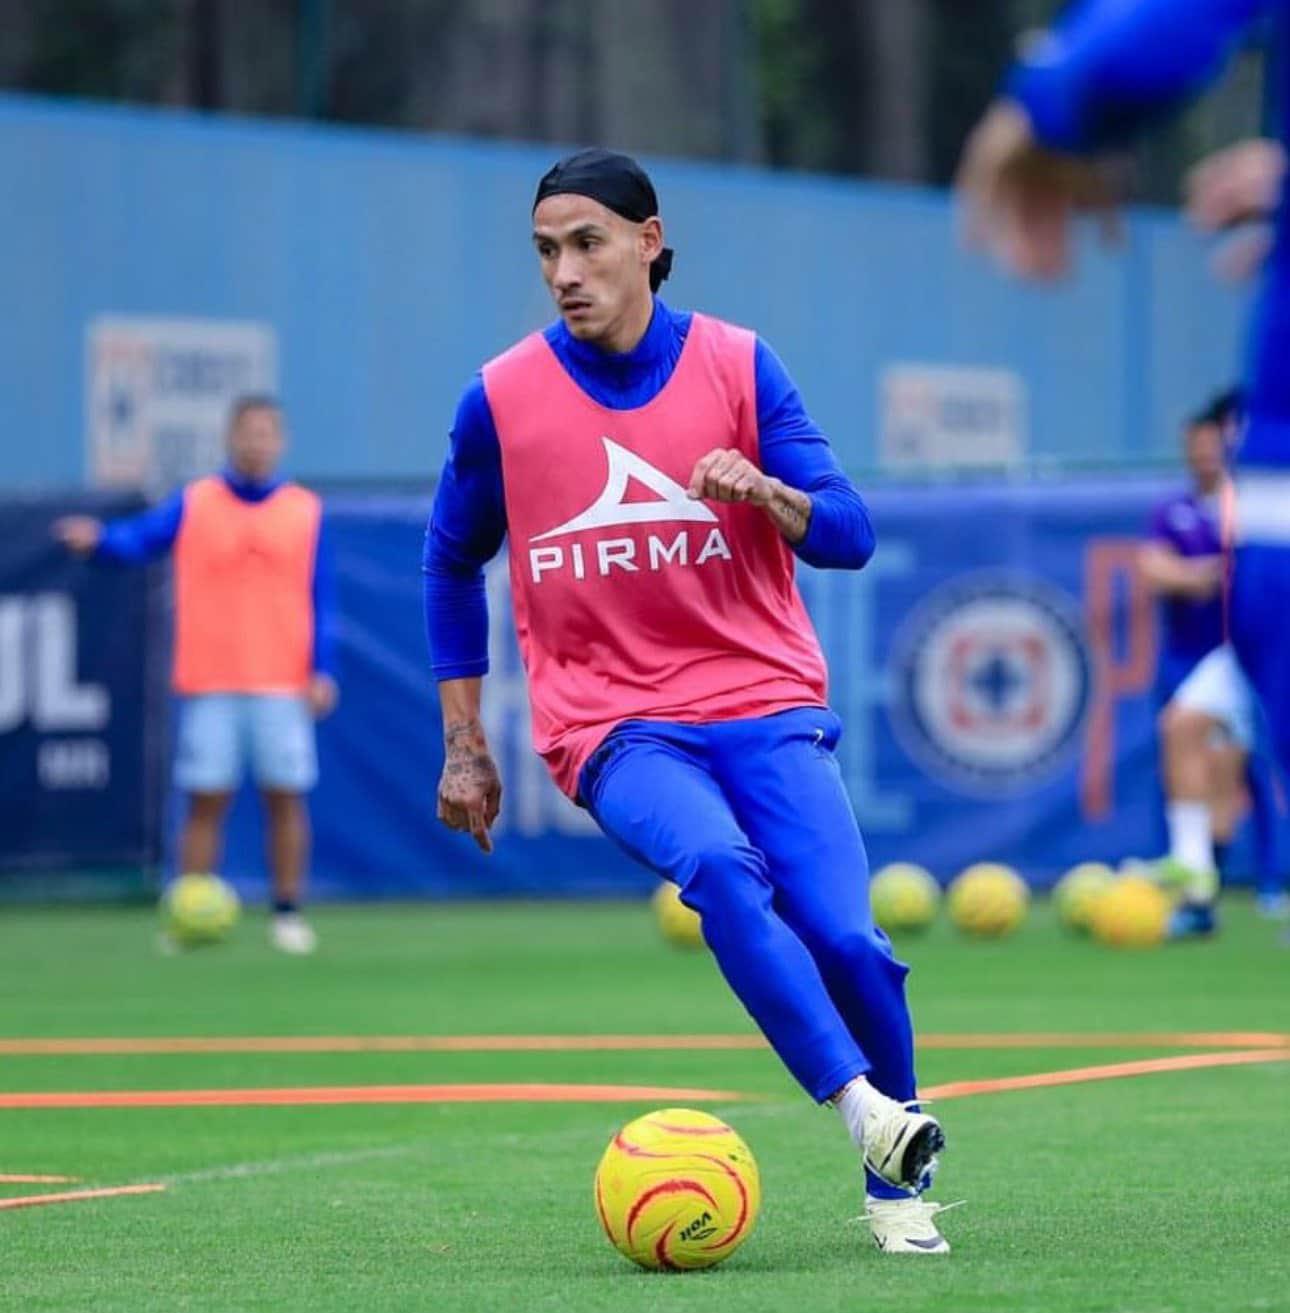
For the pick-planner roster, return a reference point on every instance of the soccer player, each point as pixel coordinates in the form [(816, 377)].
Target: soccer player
[(1183, 563), (655, 474), (1182, 560), (253, 649), (1209, 731), (1102, 73)]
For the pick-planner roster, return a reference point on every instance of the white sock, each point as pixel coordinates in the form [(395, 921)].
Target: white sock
[(854, 1101), (1191, 836)]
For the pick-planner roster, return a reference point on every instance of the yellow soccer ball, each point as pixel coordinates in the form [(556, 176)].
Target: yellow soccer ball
[(677, 1190), (1078, 891), (904, 898), (1133, 913), (988, 900), (679, 924), (199, 909)]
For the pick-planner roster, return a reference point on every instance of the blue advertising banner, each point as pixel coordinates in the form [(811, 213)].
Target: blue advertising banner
[(80, 737), (992, 667)]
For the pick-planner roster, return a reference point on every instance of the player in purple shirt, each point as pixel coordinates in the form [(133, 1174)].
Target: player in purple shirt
[(1183, 564), (1211, 747), (1182, 560)]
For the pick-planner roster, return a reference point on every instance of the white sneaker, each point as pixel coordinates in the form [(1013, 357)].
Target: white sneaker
[(900, 1145), (906, 1226), (291, 933)]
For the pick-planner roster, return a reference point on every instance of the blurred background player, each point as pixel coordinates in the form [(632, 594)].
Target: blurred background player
[(1099, 75), (655, 472), (1182, 560), (1208, 721), (252, 660)]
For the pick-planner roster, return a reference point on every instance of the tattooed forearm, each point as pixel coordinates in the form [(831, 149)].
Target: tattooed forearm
[(790, 510), (467, 760), (466, 734)]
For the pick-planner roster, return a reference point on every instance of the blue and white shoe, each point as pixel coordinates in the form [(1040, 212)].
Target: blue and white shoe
[(1273, 905), (1193, 921)]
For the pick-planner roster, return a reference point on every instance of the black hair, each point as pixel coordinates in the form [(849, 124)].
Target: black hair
[(248, 402), (1222, 409)]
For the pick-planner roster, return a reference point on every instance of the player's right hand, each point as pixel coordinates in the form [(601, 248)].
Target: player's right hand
[(79, 533), (1017, 200), (470, 788)]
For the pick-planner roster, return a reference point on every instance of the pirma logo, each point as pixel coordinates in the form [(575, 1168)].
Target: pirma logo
[(611, 510), (991, 683)]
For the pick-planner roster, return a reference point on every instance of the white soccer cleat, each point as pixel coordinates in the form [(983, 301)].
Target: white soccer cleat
[(906, 1226), (291, 933), (900, 1145)]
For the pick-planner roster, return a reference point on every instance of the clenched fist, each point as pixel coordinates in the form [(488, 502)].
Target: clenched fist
[(726, 474)]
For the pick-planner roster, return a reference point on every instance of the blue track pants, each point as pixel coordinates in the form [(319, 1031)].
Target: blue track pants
[(751, 820)]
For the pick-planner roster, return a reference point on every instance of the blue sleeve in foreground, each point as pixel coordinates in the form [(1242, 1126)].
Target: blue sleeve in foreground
[(1109, 65), (466, 529), (139, 538), (324, 601), (840, 535)]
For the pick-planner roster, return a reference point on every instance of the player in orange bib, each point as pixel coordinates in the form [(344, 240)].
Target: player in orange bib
[(253, 656)]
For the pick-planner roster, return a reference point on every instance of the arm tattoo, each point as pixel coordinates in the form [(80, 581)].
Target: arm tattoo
[(467, 759), (463, 734), (791, 511)]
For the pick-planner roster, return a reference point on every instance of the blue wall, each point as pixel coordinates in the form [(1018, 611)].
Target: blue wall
[(391, 266)]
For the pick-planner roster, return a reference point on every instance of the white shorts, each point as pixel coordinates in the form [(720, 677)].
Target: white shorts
[(1217, 688), (221, 734)]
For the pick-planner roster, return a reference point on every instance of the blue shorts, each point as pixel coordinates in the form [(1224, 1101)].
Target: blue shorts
[(221, 734)]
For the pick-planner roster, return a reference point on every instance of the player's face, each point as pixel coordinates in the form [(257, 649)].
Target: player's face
[(256, 442), (1205, 453), (595, 263)]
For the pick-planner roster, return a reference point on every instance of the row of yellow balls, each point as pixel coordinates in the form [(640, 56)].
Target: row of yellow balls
[(987, 900)]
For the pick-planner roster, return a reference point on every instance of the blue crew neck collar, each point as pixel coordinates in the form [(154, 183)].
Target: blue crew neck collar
[(649, 351), (249, 489)]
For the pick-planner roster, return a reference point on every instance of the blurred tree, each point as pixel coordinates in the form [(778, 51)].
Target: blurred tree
[(107, 49), (884, 88)]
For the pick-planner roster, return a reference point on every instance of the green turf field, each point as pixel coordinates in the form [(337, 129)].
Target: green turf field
[(1160, 1192)]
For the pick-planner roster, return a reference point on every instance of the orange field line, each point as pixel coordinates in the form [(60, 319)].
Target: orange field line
[(404, 1094), (1200, 1039), (598, 1043), (1110, 1071), (73, 1196), (352, 1094), (21, 1178)]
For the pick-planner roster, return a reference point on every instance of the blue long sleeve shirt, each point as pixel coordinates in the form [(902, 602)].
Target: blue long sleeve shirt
[(1103, 72), (468, 521), (135, 539)]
